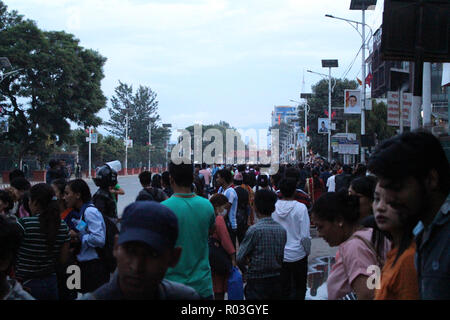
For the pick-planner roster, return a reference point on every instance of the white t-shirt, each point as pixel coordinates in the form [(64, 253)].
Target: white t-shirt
[(331, 184)]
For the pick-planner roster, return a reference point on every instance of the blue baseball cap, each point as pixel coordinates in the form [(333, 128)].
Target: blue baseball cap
[(151, 223)]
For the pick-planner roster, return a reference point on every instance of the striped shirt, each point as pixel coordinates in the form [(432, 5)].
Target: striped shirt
[(264, 245), (33, 258)]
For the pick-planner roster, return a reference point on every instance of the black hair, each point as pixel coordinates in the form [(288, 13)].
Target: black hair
[(346, 169), (263, 180), (165, 178), (276, 179), (53, 163), (292, 173), (145, 178), (10, 239), (6, 198), (81, 187), (49, 219), (411, 154), (182, 174), (316, 178), (360, 170), (265, 202), (60, 184), (334, 205), (288, 187), (364, 185), (203, 165), (21, 184), (156, 181), (226, 175), (16, 173)]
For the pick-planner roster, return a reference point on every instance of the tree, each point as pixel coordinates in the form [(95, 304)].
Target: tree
[(58, 81), (141, 108)]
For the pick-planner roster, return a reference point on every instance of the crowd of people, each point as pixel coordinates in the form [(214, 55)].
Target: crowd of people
[(191, 226)]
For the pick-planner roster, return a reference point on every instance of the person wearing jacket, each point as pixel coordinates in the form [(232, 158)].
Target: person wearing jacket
[(92, 235), (293, 216)]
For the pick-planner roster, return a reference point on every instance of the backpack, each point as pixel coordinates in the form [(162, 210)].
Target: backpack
[(149, 194), (105, 203), (106, 253)]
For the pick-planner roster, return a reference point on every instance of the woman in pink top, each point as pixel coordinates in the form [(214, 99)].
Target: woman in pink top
[(219, 201), (336, 216)]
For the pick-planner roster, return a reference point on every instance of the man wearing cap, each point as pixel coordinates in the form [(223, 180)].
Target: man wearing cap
[(145, 249)]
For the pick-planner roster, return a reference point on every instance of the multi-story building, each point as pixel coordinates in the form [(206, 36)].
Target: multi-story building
[(389, 75)]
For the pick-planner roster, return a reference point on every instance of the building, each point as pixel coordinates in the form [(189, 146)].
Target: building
[(282, 114), (390, 75)]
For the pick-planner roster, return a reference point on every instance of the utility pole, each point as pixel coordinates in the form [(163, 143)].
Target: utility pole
[(126, 144), (149, 142), (90, 153), (363, 105)]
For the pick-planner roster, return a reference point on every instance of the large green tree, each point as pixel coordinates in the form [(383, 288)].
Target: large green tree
[(141, 108), (58, 81)]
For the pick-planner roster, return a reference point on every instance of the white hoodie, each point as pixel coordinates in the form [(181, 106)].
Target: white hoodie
[(293, 216)]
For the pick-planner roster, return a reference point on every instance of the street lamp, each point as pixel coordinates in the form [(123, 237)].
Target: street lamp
[(361, 5), (333, 63), (167, 126), (306, 108)]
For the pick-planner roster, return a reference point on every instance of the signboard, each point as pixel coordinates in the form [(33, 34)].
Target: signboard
[(345, 143), (352, 101), (393, 111), (128, 143), (94, 137), (323, 125), (406, 104), (4, 125), (301, 138)]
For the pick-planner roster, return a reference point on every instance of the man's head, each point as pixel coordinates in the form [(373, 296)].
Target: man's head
[(145, 248), (414, 169), (165, 179), (16, 173), (265, 202), (224, 177), (352, 100), (323, 124), (145, 178), (288, 187), (181, 174)]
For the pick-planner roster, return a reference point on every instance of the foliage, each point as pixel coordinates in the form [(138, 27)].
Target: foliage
[(141, 108), (58, 81)]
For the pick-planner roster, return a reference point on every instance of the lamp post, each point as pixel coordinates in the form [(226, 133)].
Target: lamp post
[(328, 64), (361, 5), (167, 126), (306, 109)]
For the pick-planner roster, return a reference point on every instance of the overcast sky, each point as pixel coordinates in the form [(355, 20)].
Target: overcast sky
[(211, 60)]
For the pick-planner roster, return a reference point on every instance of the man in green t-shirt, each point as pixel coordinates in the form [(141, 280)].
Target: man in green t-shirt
[(195, 220)]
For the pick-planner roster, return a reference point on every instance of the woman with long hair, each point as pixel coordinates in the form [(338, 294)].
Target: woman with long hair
[(336, 216), (221, 234), (399, 277), (364, 188), (45, 244)]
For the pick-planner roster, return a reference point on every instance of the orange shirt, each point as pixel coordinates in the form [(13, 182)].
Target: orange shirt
[(400, 281)]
